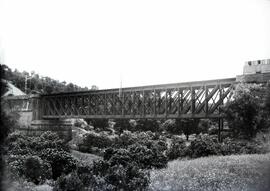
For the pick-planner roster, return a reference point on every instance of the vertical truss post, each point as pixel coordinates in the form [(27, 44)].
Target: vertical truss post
[(83, 113), (155, 101), (206, 100), (75, 106), (169, 101), (192, 100), (36, 105), (143, 104), (113, 103), (89, 105), (166, 105), (220, 97), (133, 103), (179, 101), (105, 104)]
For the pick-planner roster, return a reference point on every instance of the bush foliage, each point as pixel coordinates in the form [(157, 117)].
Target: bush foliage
[(246, 114), (36, 170), (204, 145), (177, 149), (38, 158)]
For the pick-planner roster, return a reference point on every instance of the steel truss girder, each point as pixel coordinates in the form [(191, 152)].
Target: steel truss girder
[(183, 100)]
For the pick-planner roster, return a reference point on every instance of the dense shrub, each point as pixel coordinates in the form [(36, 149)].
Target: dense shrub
[(267, 100), (148, 157), (122, 167), (49, 147), (204, 126), (263, 138), (60, 161), (204, 145), (85, 174), (125, 139), (147, 125), (101, 124), (90, 177), (21, 148), (36, 170), (171, 126), (13, 137), (119, 174), (95, 140), (187, 126), (122, 125), (16, 165), (177, 149), (19, 144), (231, 146), (245, 114), (7, 123), (130, 177), (102, 140), (48, 140), (32, 168), (69, 182), (106, 175)]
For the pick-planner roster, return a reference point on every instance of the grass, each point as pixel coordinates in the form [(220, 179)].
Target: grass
[(85, 158), (222, 173)]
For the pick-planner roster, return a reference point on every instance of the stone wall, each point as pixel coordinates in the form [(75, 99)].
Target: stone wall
[(20, 106), (26, 110), (254, 78)]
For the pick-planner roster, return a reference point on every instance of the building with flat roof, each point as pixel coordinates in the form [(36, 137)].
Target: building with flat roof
[(257, 66)]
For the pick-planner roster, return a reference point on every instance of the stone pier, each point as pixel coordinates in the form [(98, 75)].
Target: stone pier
[(28, 110), (61, 127), (38, 125)]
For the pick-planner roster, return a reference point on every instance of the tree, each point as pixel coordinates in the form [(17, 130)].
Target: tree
[(147, 125), (204, 126), (94, 87), (41, 84), (244, 112), (101, 124), (188, 126), (267, 100), (171, 126), (3, 69), (5, 123), (121, 125)]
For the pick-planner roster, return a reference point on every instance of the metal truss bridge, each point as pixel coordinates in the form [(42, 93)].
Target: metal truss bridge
[(201, 99)]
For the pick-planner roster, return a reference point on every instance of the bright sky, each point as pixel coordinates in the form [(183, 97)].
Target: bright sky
[(146, 42)]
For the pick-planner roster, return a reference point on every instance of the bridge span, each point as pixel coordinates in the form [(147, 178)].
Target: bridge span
[(200, 99)]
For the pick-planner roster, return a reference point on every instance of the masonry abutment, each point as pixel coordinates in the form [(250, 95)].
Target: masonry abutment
[(39, 125)]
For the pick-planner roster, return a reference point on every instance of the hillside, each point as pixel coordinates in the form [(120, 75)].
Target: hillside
[(36, 82), (223, 173)]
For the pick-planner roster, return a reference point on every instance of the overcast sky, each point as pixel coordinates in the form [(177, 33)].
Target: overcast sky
[(146, 42)]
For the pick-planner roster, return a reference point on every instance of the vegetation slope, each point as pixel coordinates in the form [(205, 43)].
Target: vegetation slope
[(223, 173)]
